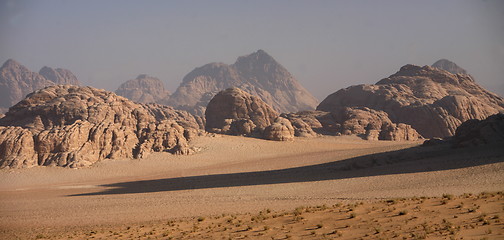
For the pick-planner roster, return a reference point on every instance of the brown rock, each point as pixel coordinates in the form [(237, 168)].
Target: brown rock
[(235, 105), (143, 89), (75, 126), (479, 132), (433, 101), (59, 76), (16, 148), (280, 130), (257, 74)]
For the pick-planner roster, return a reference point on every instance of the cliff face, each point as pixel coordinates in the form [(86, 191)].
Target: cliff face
[(75, 126), (257, 74), (433, 101)]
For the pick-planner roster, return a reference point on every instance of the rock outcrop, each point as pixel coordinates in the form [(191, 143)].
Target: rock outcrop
[(476, 132), (280, 130), (143, 89), (73, 126), (16, 81), (433, 101), (234, 111), (59, 76), (257, 74)]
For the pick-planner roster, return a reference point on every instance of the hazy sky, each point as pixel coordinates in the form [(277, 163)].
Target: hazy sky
[(326, 45)]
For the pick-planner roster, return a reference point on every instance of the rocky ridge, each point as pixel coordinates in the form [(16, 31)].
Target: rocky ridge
[(433, 101), (73, 126), (258, 74), (143, 89)]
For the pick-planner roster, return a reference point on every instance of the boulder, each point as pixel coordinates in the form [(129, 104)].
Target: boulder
[(280, 130)]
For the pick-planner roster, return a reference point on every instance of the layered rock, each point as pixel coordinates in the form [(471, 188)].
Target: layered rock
[(257, 74), (234, 111), (16, 81), (280, 130), (143, 89), (433, 101), (75, 126), (59, 76)]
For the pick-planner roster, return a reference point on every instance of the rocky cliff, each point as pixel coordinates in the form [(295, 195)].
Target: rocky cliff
[(59, 76), (433, 101), (75, 126), (143, 89), (258, 74)]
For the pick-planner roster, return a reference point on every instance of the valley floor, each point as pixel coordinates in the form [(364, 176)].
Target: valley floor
[(236, 178)]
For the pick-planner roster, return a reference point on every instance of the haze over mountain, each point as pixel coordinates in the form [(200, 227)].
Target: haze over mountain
[(257, 73), (143, 89)]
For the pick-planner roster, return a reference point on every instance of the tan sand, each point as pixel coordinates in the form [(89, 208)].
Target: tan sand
[(237, 175)]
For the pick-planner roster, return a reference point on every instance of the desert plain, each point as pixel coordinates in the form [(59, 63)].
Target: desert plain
[(237, 188)]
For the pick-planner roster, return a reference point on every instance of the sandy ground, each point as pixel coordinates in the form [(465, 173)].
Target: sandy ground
[(235, 175)]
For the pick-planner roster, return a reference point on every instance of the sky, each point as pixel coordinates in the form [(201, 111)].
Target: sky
[(326, 45)]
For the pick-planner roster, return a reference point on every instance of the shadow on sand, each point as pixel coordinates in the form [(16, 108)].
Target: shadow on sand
[(411, 160)]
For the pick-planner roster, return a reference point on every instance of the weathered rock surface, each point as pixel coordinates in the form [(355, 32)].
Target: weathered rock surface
[(257, 74), (433, 101), (234, 111), (478, 132), (59, 76), (280, 130), (143, 89), (75, 126)]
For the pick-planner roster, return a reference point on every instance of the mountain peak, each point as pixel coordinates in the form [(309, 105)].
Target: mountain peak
[(449, 66), (11, 63)]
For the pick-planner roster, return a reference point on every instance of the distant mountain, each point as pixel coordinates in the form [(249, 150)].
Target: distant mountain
[(449, 66), (433, 101), (257, 74), (143, 89), (16, 81)]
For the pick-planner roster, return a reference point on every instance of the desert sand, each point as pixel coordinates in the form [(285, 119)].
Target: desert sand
[(236, 175)]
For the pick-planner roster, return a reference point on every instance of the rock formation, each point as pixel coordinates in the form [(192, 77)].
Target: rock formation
[(75, 126), (234, 111), (59, 76), (433, 101), (16, 81), (143, 89), (449, 66), (258, 74), (280, 130), (478, 132)]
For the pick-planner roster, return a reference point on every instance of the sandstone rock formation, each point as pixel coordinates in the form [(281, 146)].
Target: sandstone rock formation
[(143, 89), (449, 66), (59, 76), (433, 101), (75, 126), (280, 130), (16, 81), (258, 74), (234, 111), (478, 132)]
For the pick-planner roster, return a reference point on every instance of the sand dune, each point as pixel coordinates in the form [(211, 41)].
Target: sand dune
[(237, 175)]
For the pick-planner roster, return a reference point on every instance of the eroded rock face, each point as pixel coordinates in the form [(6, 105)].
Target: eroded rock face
[(143, 89), (257, 74), (59, 76), (280, 130), (234, 111), (479, 132), (75, 126), (433, 101)]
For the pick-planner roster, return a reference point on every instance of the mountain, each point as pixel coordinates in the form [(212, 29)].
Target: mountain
[(257, 74), (16, 81), (72, 126), (143, 89), (59, 76), (433, 101), (449, 66)]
